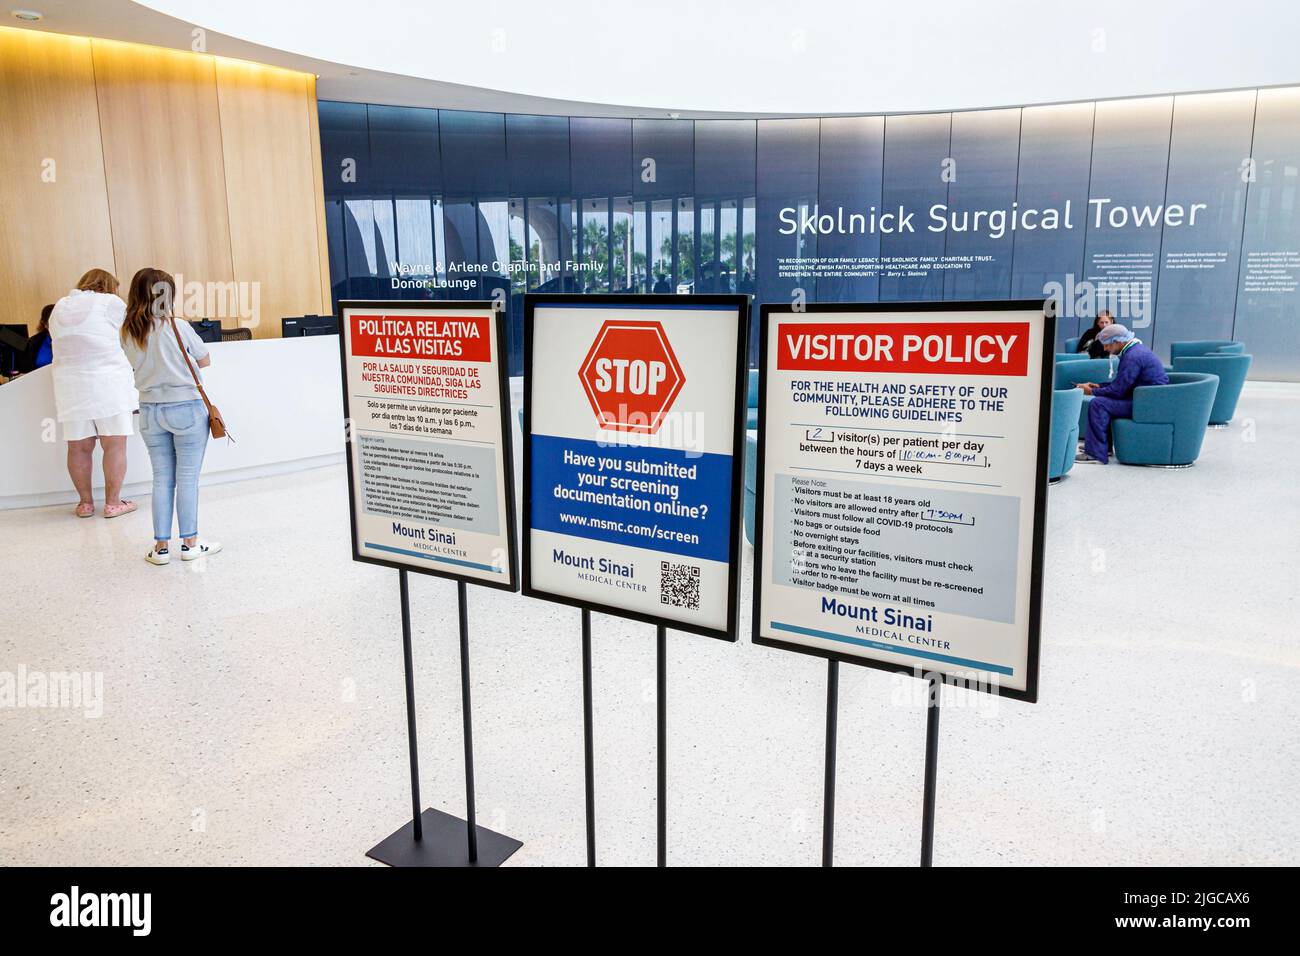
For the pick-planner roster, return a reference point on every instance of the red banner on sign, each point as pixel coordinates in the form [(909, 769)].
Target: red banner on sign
[(916, 348), (432, 337)]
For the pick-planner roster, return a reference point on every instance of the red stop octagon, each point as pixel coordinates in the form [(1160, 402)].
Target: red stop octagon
[(631, 376)]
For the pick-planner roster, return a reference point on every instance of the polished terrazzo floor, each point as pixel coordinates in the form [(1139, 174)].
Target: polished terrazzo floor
[(253, 710)]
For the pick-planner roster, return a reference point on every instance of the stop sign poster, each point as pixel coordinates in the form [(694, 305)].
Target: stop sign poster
[(632, 458), (902, 478), (430, 470)]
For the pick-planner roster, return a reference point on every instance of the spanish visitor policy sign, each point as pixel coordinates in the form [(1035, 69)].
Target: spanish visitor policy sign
[(902, 480), (430, 473), (633, 467)]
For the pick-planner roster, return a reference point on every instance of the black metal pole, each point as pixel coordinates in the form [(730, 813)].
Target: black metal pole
[(416, 824), (931, 770), (471, 826), (588, 739), (661, 700), (832, 723)]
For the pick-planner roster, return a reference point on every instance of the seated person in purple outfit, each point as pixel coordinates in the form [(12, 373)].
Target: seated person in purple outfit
[(1138, 366)]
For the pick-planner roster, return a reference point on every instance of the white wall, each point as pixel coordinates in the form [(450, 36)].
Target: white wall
[(281, 399)]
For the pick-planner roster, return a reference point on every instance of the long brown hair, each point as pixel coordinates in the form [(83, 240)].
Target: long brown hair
[(98, 280), (152, 294)]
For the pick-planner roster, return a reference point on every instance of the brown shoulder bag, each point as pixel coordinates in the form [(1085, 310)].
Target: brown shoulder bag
[(216, 423)]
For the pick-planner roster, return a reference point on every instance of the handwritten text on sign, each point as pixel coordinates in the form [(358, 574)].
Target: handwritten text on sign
[(427, 337), (949, 348)]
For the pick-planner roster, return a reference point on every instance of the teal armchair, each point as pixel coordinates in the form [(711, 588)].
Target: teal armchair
[(1071, 356), (1231, 370), (1066, 403), (1205, 347), (1072, 345), (1070, 374), (1168, 423)]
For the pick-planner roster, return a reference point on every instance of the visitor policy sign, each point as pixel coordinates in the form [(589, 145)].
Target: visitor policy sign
[(901, 487), (633, 448), (430, 470)]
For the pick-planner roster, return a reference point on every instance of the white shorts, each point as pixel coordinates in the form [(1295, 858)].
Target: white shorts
[(119, 424)]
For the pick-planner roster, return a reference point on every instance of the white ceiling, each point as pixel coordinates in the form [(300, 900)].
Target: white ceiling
[(767, 57)]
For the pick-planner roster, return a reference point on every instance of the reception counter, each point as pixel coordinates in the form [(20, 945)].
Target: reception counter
[(280, 398)]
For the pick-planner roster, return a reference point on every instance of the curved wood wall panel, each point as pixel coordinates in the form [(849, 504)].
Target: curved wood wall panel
[(262, 112), (202, 166), (162, 134), (53, 201)]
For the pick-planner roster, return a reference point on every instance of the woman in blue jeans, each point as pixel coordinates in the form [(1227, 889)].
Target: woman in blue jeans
[(173, 419)]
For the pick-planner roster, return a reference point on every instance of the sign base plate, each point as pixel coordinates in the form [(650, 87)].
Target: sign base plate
[(443, 844)]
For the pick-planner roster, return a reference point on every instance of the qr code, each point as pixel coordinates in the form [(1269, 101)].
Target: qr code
[(679, 584)]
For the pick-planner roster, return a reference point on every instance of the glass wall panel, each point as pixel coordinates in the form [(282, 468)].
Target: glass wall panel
[(915, 150), (1130, 158), (600, 156), (494, 237), (537, 155), (1205, 202), (359, 234), (338, 253), (1268, 300), (787, 180), (728, 217), (663, 158), (404, 150), (415, 238), (849, 179), (661, 245), (518, 248), (981, 193), (544, 240), (594, 242), (344, 147), (473, 154), (748, 246), (725, 157), (685, 246), (1052, 204), (623, 249)]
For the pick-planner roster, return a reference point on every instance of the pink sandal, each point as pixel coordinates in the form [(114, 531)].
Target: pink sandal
[(116, 511), (85, 509)]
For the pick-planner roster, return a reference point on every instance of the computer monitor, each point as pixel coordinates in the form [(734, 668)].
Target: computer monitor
[(13, 342), (309, 325), (209, 330)]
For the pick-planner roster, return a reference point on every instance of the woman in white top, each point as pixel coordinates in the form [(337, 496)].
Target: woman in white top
[(94, 387)]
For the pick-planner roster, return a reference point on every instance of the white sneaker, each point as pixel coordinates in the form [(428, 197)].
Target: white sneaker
[(199, 550), (159, 556)]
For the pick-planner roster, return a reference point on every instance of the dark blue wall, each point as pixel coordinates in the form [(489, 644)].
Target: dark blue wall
[(425, 203)]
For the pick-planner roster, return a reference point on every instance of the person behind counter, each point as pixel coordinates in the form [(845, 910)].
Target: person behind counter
[(40, 351)]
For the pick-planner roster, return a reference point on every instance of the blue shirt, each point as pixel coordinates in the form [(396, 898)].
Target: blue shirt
[(1138, 366)]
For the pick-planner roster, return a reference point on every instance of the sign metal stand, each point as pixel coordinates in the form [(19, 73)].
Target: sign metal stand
[(1034, 488), (736, 403), (832, 728), (434, 838)]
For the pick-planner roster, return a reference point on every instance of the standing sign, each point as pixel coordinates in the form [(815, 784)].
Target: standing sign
[(902, 475), (632, 467), (430, 476)]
